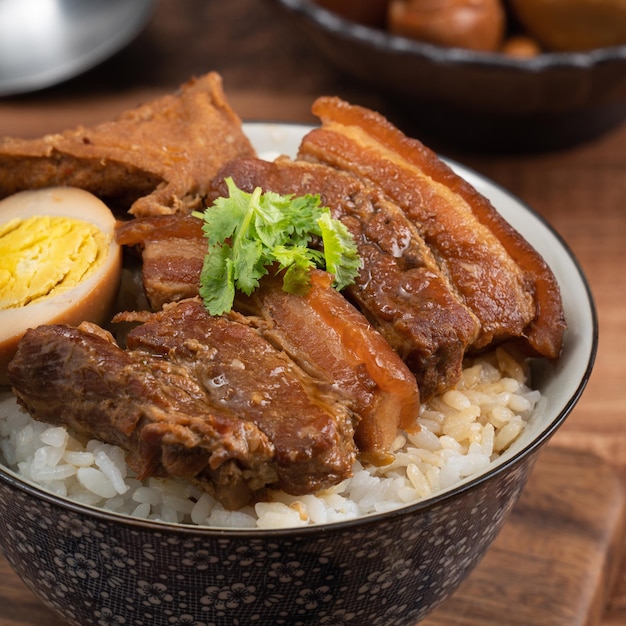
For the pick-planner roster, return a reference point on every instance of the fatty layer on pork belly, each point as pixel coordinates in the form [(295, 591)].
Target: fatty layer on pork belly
[(503, 280), (400, 287), (194, 396)]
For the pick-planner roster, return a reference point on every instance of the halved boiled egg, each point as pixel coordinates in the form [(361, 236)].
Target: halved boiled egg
[(59, 263)]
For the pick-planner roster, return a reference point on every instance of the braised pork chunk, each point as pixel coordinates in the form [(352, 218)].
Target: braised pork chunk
[(172, 251), (155, 159), (325, 334), (194, 396)]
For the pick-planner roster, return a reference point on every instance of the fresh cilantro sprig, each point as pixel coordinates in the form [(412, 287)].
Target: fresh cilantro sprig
[(249, 232)]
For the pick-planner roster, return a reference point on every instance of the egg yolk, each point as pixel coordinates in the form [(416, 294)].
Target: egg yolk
[(41, 257)]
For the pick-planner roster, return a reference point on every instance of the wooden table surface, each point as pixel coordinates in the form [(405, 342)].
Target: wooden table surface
[(270, 72)]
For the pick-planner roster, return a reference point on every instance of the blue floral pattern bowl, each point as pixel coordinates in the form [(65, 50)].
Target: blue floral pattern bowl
[(94, 567)]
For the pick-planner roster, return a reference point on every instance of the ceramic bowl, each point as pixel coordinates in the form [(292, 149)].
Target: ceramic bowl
[(475, 99), (96, 568)]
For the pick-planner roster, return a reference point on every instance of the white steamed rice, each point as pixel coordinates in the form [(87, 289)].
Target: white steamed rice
[(461, 433)]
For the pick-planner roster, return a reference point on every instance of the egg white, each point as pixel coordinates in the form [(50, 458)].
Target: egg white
[(90, 300)]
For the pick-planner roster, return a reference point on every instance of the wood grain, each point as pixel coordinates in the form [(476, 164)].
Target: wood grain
[(556, 558), (271, 72)]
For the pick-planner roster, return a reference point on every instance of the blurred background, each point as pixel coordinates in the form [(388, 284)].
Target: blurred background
[(182, 39), (467, 99)]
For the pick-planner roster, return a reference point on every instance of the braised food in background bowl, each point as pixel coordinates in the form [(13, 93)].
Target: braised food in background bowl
[(512, 27), (541, 97), (266, 560)]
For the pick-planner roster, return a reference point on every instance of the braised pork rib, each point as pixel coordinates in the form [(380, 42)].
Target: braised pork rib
[(326, 335)]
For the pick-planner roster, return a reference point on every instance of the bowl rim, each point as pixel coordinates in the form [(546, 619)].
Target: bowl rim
[(388, 43), (9, 477)]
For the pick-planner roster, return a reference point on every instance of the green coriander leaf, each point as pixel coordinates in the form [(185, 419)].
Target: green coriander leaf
[(340, 251), (249, 264), (272, 218), (247, 233), (304, 212), (217, 286), (297, 279), (222, 219), (297, 261)]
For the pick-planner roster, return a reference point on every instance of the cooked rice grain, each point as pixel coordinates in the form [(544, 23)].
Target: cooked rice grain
[(460, 434)]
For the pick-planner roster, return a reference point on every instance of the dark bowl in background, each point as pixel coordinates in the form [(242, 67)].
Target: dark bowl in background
[(476, 99)]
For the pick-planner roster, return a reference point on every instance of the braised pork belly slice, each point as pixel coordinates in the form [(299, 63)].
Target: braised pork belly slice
[(172, 251), (400, 288), (503, 280), (154, 159), (323, 332), (202, 398)]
